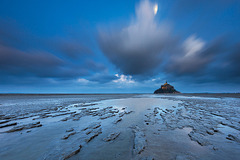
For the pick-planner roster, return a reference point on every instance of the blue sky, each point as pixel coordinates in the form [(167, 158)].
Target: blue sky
[(118, 46)]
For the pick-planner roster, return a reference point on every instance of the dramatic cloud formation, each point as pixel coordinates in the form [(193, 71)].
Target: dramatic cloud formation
[(23, 56), (19, 62), (136, 49), (147, 47), (192, 56), (70, 46)]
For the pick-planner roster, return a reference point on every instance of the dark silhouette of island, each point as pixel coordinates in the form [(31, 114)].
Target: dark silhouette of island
[(166, 88)]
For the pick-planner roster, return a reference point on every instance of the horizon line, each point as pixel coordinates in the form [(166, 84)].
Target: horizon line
[(115, 93)]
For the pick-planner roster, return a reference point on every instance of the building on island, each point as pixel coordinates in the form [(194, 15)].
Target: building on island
[(166, 88)]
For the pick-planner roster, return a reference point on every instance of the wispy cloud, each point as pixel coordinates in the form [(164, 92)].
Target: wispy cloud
[(136, 49)]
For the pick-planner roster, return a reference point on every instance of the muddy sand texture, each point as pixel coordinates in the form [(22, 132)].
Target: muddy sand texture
[(140, 127)]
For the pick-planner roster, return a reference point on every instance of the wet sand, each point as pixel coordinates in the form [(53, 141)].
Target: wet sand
[(131, 127)]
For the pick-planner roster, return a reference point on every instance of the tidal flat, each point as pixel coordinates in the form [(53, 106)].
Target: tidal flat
[(121, 126)]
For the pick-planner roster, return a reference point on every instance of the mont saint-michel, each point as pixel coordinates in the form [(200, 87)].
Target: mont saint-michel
[(166, 88)]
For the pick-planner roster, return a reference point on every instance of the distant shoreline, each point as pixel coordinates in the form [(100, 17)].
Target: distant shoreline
[(105, 93), (69, 93), (217, 95)]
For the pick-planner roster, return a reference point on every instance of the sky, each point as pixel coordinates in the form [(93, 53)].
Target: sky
[(120, 46)]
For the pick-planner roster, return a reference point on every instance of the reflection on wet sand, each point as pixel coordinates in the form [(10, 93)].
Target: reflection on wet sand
[(139, 127)]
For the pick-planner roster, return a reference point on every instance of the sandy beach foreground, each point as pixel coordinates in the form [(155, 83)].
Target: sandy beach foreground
[(120, 127)]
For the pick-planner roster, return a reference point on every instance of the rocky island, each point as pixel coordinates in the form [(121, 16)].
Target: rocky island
[(166, 88)]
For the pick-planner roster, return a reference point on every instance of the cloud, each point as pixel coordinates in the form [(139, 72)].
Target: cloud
[(72, 48), (82, 81), (137, 48), (217, 62), (25, 57), (191, 57), (14, 60), (123, 79), (226, 66), (95, 66), (102, 77), (147, 51), (146, 47), (18, 63), (193, 46)]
